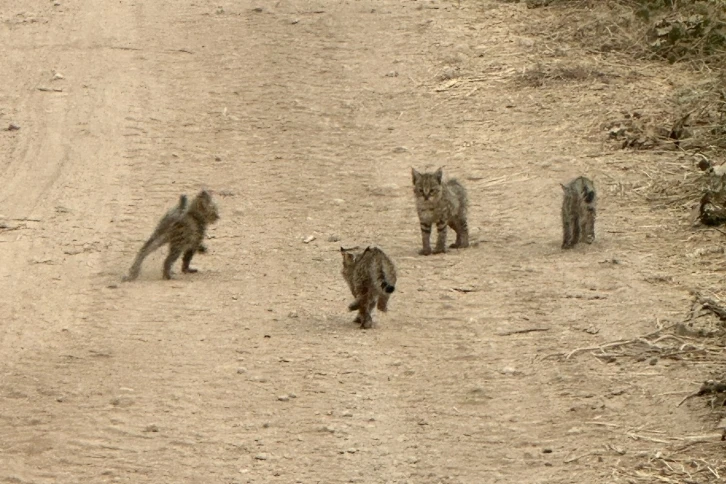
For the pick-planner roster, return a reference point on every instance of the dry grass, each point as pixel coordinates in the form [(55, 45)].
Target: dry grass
[(540, 74), (677, 31), (638, 33)]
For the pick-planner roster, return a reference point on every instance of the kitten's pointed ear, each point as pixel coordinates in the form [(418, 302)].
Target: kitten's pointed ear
[(439, 174), (416, 175)]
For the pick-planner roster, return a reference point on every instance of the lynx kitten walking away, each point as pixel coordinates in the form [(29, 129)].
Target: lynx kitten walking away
[(578, 212), (183, 228), (371, 277), (443, 204)]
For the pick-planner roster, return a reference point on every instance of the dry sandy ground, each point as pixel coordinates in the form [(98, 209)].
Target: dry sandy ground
[(304, 118)]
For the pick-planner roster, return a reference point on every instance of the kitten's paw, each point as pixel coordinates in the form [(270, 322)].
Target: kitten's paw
[(354, 306), (189, 270), (440, 251), (424, 252), (202, 249), (367, 324)]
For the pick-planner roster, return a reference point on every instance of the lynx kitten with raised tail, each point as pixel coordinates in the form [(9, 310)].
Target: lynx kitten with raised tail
[(183, 228), (441, 203), (578, 212), (371, 277)]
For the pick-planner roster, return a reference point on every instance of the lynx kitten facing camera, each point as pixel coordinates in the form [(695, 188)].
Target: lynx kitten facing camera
[(441, 203), (183, 228), (578, 212), (371, 277)]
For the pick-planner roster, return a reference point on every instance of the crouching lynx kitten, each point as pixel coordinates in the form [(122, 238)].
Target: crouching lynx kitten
[(578, 212), (183, 228), (371, 277), (443, 204)]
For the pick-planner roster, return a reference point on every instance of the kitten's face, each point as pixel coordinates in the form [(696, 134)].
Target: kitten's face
[(427, 186), (207, 207)]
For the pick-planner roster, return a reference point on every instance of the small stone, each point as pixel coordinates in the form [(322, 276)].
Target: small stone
[(400, 149), (151, 428), (292, 314), (308, 239), (58, 76), (546, 451), (257, 9), (508, 370), (347, 413), (333, 238), (217, 158), (241, 370), (392, 74), (13, 127), (262, 457), (292, 395), (385, 190), (283, 398), (653, 361), (266, 425), (352, 450)]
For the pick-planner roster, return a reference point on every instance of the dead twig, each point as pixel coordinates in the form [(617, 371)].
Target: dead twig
[(708, 387), (522, 331), (617, 343)]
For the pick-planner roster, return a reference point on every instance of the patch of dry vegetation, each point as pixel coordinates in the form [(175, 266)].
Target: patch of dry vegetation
[(676, 31), (543, 74)]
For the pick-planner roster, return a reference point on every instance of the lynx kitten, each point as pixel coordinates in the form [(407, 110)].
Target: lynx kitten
[(183, 228), (371, 277), (443, 204), (578, 212)]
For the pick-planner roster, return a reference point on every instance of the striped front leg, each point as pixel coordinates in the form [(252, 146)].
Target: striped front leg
[(425, 239), (441, 239)]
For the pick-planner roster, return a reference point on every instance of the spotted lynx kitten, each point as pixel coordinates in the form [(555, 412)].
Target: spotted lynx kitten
[(371, 277), (443, 204), (578, 212), (183, 228)]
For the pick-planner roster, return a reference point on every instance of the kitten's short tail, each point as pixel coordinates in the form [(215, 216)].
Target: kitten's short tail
[(387, 287), (589, 195)]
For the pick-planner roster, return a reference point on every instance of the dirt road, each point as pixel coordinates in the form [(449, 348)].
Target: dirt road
[(304, 118)]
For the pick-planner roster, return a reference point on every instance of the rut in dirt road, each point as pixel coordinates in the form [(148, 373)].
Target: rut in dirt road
[(304, 120)]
